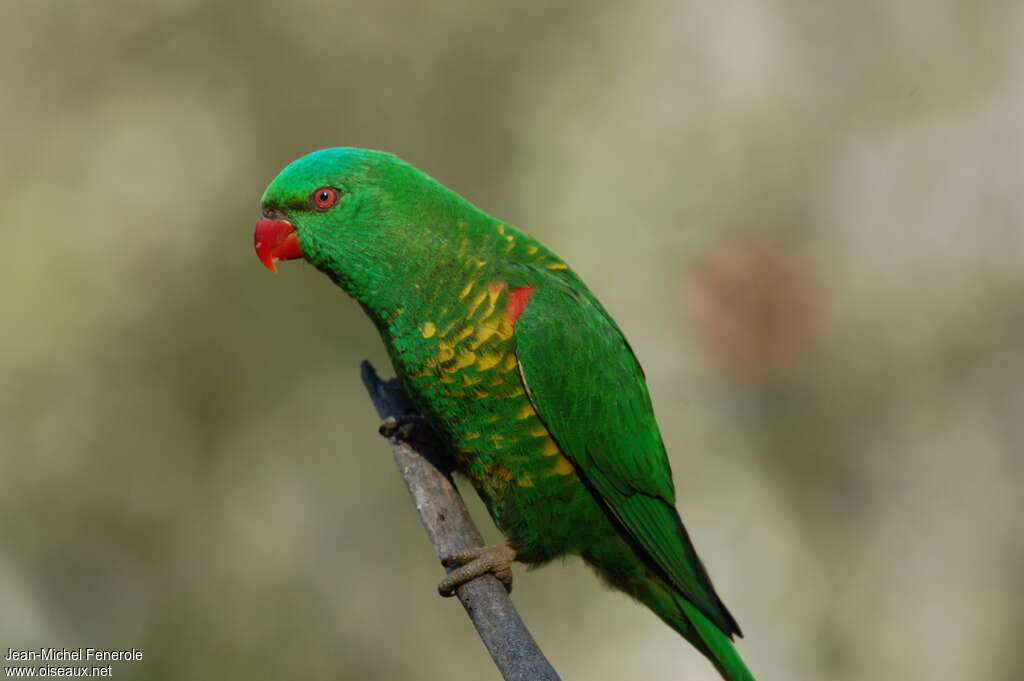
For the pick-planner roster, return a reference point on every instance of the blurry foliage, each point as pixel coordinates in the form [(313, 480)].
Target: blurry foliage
[(757, 312), (807, 217)]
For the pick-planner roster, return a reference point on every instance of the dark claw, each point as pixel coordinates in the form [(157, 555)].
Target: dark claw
[(405, 428)]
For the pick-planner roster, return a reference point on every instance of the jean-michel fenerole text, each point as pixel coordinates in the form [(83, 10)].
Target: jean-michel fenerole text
[(64, 654)]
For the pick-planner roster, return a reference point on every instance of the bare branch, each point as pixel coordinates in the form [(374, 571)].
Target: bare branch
[(450, 528)]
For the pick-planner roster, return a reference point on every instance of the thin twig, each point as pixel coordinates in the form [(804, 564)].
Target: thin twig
[(450, 528)]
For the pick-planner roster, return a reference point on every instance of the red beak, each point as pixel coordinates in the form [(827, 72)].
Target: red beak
[(276, 240)]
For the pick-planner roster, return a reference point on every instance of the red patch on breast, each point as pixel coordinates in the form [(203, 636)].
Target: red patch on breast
[(517, 298)]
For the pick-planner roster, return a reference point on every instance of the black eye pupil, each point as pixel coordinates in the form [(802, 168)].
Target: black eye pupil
[(324, 196)]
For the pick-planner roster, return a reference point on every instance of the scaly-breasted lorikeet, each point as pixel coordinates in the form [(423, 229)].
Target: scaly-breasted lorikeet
[(518, 368)]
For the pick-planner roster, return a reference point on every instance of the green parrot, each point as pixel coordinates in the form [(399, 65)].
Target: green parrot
[(526, 379)]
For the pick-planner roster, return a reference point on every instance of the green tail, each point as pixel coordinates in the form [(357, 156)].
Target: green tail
[(623, 569), (717, 646), (679, 614)]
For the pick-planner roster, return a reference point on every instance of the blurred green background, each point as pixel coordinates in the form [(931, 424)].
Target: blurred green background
[(807, 217)]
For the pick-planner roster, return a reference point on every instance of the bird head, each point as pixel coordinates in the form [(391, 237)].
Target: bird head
[(323, 199), (370, 221)]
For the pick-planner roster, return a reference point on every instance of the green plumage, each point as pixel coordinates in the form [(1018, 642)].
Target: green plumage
[(521, 371)]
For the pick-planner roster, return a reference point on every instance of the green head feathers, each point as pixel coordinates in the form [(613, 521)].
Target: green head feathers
[(365, 218)]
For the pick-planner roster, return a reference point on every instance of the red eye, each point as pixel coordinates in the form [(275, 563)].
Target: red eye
[(325, 197)]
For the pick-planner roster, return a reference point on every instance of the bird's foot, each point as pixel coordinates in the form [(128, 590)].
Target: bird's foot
[(471, 563), (405, 428)]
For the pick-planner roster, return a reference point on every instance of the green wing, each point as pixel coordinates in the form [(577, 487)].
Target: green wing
[(589, 389)]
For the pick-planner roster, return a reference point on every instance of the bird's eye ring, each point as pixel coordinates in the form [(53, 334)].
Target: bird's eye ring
[(324, 198)]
